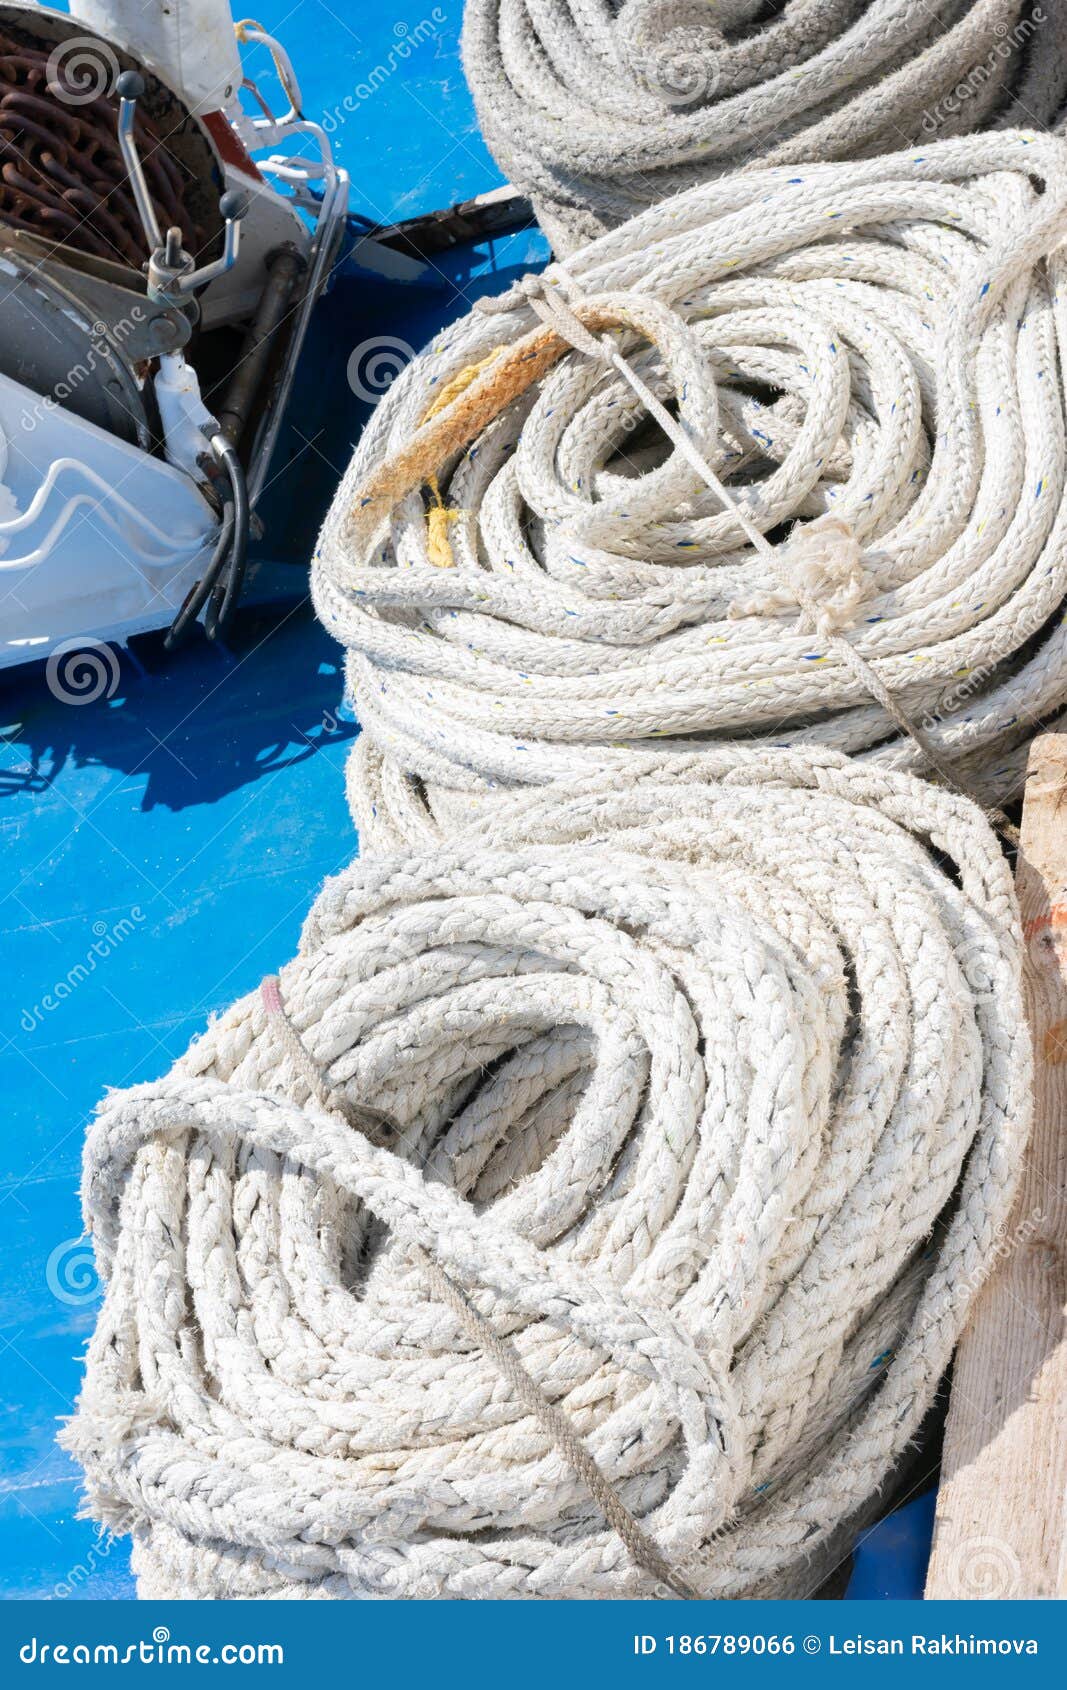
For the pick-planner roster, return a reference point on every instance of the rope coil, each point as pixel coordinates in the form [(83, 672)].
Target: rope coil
[(875, 346), (709, 1096), (601, 110)]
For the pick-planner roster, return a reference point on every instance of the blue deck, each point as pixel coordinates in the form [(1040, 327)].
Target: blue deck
[(162, 844)]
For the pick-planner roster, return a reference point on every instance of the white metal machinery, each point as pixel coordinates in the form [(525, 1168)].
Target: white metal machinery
[(125, 500)]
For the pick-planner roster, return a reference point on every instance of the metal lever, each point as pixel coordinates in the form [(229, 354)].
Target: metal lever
[(129, 87), (172, 272)]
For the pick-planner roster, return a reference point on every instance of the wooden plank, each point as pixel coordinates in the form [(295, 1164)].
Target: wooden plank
[(1001, 1527)]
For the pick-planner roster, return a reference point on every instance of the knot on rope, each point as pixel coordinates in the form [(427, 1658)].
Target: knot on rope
[(822, 576), (552, 293), (694, 1160), (525, 291), (728, 382)]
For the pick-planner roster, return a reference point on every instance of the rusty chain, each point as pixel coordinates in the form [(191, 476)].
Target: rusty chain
[(61, 172)]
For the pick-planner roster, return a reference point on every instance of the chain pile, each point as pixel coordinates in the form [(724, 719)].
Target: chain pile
[(706, 1099), (62, 175), (602, 109), (866, 354)]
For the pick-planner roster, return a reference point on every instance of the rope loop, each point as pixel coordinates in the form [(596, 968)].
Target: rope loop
[(783, 461), (589, 1209), (599, 114)]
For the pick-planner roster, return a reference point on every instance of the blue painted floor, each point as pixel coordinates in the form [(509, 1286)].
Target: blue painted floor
[(161, 844), (160, 849)]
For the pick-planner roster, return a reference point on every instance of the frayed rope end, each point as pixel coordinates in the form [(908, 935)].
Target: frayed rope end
[(822, 575)]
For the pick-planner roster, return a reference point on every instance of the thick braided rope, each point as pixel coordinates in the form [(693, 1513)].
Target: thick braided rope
[(601, 108), (709, 1097), (869, 354), (561, 1433), (834, 554)]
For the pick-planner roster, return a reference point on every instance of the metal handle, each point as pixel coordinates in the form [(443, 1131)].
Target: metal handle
[(172, 275), (130, 87)]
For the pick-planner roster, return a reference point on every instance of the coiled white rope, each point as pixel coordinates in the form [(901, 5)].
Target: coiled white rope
[(869, 354), (600, 108), (708, 1097)]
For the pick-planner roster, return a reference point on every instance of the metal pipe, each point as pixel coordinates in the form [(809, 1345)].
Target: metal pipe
[(285, 265), (327, 235)]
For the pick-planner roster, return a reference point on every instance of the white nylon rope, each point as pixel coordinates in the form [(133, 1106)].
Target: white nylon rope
[(709, 1096), (600, 108), (823, 560), (876, 345)]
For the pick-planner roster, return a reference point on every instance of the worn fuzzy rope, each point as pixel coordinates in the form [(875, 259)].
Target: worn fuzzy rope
[(706, 1097), (868, 356), (600, 108)]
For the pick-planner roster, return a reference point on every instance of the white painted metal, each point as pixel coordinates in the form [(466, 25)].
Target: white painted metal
[(97, 539), (184, 415), (190, 44)]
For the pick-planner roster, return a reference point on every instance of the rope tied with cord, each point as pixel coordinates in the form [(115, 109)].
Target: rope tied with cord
[(589, 1210), (819, 568), (859, 373)]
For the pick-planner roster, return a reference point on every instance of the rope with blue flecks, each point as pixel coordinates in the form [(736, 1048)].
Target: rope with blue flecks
[(870, 350), (601, 109), (707, 1097)]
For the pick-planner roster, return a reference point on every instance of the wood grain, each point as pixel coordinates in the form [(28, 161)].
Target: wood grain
[(1001, 1527)]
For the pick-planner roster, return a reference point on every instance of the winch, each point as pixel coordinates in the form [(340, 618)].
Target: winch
[(162, 247)]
